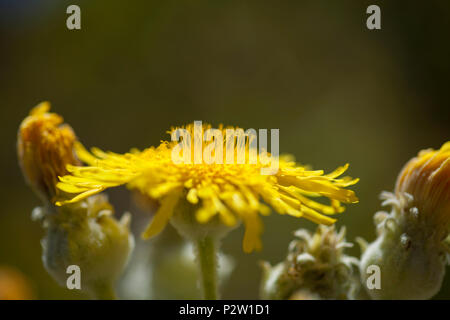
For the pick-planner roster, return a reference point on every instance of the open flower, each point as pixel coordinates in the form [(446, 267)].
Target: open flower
[(227, 193), (45, 147)]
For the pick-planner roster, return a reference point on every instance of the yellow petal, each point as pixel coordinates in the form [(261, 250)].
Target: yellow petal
[(253, 231), (84, 155), (163, 215), (80, 196)]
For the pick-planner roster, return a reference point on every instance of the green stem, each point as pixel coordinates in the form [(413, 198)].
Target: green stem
[(207, 261), (103, 292)]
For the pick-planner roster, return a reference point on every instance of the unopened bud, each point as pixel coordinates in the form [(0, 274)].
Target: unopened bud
[(45, 148)]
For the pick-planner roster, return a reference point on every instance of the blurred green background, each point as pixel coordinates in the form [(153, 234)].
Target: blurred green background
[(337, 91)]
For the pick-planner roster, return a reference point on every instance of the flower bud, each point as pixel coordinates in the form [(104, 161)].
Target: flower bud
[(426, 180), (409, 250), (84, 234), (87, 235), (316, 265), (45, 148)]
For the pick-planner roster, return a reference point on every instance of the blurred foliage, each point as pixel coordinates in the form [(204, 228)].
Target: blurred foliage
[(337, 91)]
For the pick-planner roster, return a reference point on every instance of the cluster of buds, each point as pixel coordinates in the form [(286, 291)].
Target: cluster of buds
[(84, 234), (410, 249), (316, 267)]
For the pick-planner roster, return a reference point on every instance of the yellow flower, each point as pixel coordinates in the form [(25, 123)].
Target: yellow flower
[(427, 179), (45, 147), (228, 193)]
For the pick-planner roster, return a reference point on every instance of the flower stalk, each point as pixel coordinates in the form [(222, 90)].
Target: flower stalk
[(206, 250)]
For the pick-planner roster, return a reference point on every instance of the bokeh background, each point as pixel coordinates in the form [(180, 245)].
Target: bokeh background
[(337, 91)]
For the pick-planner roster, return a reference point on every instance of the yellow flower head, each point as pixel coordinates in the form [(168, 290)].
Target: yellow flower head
[(225, 192), (45, 147), (427, 179)]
